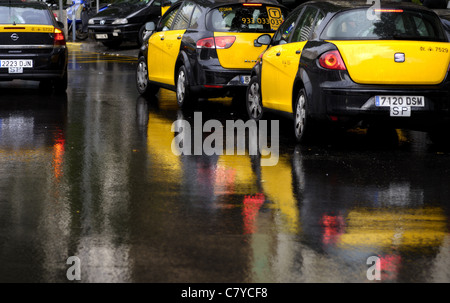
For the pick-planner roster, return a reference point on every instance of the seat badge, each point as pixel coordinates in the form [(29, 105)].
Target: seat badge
[(399, 57)]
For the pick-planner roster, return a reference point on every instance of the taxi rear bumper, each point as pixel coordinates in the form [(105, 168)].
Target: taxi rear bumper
[(48, 63)]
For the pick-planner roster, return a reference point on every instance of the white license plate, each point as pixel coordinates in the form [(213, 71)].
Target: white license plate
[(245, 79), (400, 106), (101, 36), (16, 63), (15, 70)]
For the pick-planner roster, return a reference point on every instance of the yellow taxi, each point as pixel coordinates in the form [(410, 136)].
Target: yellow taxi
[(349, 63), (205, 47), (32, 44)]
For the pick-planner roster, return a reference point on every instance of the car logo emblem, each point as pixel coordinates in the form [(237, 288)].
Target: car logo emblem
[(399, 57), (102, 21), (14, 37)]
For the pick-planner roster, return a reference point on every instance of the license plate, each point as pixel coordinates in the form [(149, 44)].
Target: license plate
[(16, 63), (15, 70), (245, 79), (400, 106), (101, 36)]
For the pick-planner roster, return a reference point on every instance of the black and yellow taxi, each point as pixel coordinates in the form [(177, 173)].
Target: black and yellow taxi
[(206, 48), (346, 63), (32, 44)]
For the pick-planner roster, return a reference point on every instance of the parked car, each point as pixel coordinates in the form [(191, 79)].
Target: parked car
[(124, 20), (206, 48), (339, 63), (32, 44)]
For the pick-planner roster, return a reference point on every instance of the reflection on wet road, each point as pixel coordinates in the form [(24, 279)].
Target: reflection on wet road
[(92, 174)]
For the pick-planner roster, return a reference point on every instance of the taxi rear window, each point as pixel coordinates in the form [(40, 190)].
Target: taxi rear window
[(20, 14), (247, 17), (392, 24)]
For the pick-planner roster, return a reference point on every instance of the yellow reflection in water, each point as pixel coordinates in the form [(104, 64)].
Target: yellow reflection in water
[(277, 185), (159, 147), (405, 228)]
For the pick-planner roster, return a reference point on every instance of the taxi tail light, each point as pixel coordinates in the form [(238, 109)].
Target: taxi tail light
[(332, 60), (58, 37), (216, 42), (225, 42)]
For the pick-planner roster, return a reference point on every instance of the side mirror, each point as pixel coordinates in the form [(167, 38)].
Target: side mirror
[(150, 26), (262, 40)]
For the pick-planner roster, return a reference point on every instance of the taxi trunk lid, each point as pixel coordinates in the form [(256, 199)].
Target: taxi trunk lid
[(242, 54), (245, 22), (395, 62), (11, 35)]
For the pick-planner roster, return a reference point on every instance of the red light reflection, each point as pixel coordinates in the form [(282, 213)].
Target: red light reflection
[(252, 204), (58, 153), (334, 227)]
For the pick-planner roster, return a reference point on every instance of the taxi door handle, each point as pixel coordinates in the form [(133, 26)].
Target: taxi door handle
[(162, 38), (298, 52), (278, 54), (179, 37)]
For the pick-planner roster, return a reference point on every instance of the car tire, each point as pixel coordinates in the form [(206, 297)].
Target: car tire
[(141, 35), (302, 123), (184, 96), (142, 84), (253, 101), (79, 33)]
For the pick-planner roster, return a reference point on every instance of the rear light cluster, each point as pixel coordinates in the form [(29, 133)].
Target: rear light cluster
[(58, 37), (332, 60), (216, 42)]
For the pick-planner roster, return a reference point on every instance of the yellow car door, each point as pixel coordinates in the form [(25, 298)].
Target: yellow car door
[(169, 55), (156, 48), (172, 43), (280, 65)]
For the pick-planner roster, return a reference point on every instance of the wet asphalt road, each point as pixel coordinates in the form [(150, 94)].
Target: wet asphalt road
[(92, 174)]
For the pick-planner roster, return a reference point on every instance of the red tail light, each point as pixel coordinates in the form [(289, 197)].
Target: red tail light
[(59, 37), (332, 60), (216, 42), (206, 43), (225, 42)]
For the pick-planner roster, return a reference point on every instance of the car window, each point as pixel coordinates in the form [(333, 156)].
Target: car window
[(393, 25), (195, 18), (18, 14), (286, 29), (167, 20), (304, 25), (245, 18), (184, 16)]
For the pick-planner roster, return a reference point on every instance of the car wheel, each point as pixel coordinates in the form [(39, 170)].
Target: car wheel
[(184, 97), (142, 83), (141, 35), (254, 101), (301, 119), (80, 34)]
